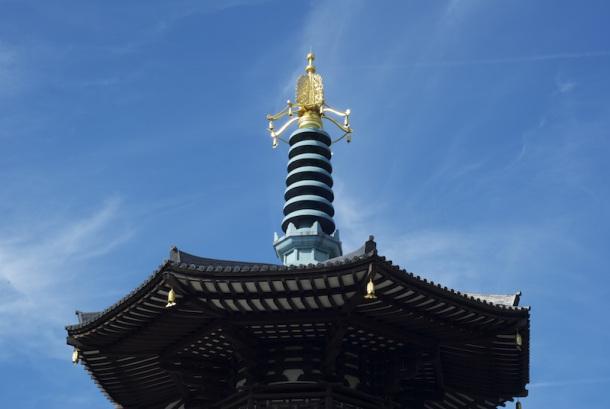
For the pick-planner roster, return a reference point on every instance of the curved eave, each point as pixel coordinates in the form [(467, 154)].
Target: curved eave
[(226, 270), (252, 271), (462, 298)]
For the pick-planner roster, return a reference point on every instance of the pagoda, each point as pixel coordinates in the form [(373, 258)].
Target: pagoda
[(321, 330)]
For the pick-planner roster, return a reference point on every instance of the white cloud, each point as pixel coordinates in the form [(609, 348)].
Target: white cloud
[(563, 86), (173, 15), (517, 59), (480, 258), (569, 382), (10, 80), (424, 63), (38, 270)]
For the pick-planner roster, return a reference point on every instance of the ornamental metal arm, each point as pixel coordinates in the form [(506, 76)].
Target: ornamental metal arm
[(345, 127), (289, 111), (275, 136)]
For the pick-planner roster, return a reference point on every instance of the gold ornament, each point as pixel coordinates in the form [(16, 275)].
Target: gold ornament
[(370, 290), (310, 107), (75, 356), (171, 298)]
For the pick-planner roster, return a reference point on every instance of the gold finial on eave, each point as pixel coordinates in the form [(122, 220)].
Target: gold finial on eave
[(75, 356), (310, 107), (171, 298)]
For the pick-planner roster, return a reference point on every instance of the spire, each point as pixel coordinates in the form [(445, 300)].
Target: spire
[(310, 234)]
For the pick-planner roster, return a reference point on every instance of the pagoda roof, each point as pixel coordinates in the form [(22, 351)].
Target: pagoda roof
[(467, 339)]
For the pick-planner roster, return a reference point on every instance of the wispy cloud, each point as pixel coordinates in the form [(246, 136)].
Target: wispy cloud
[(510, 60), (10, 79), (567, 86), (480, 258), (324, 32), (173, 15), (423, 63), (569, 382), (563, 86), (99, 82), (38, 275)]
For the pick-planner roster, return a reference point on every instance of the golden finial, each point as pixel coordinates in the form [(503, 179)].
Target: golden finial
[(310, 67), (310, 96), (310, 106)]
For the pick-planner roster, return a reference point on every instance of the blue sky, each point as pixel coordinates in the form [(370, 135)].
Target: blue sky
[(479, 160)]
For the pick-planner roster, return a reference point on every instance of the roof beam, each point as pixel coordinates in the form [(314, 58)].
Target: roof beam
[(333, 348), (186, 340)]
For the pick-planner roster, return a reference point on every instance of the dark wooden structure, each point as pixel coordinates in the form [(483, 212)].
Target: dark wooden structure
[(245, 335)]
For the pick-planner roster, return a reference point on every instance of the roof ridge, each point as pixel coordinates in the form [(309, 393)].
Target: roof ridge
[(179, 256)]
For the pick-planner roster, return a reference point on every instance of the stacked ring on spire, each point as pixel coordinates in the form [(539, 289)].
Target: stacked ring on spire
[(309, 183)]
